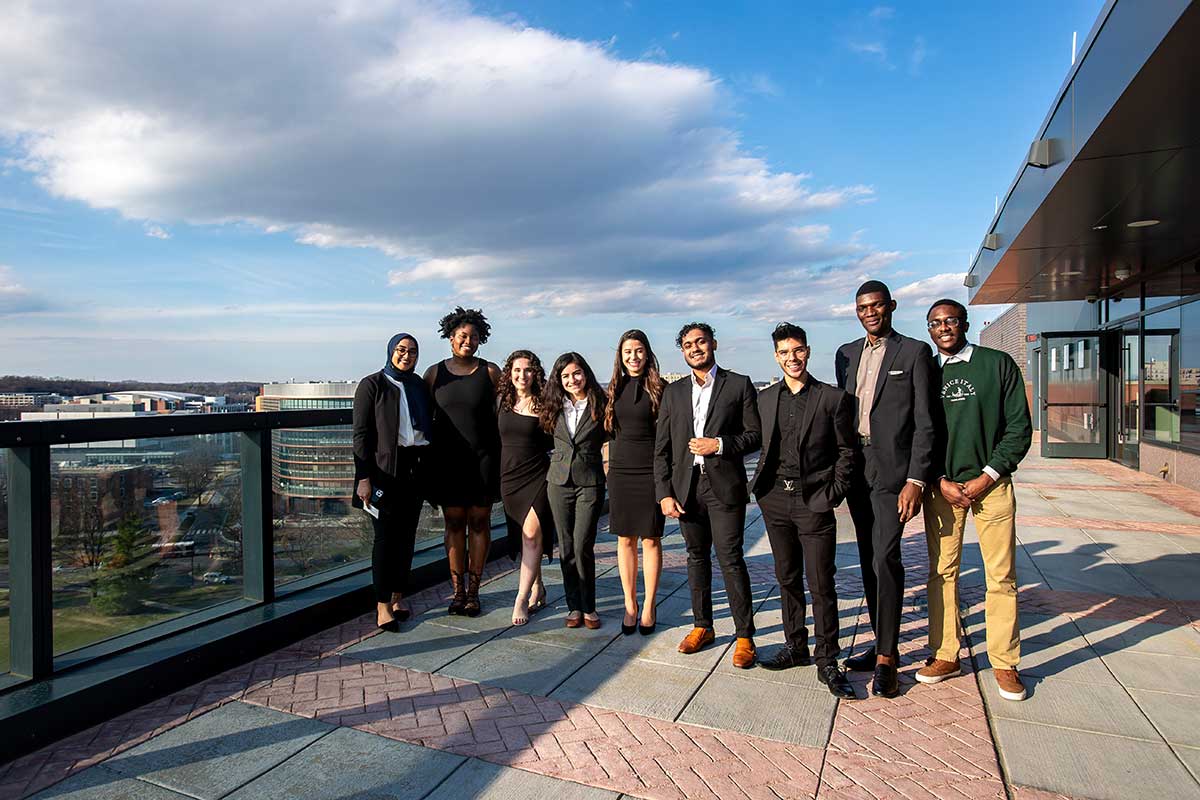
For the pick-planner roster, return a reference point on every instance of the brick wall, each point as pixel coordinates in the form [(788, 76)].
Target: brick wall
[(1007, 333)]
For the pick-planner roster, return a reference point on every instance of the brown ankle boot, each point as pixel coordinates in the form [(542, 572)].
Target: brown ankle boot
[(471, 606), (459, 599)]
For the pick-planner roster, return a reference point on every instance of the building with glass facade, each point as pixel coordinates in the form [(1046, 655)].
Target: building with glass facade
[(1101, 218)]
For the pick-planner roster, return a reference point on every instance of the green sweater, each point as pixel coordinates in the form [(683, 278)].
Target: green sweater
[(986, 416)]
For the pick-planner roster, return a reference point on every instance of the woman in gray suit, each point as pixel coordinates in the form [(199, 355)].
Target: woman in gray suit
[(572, 410)]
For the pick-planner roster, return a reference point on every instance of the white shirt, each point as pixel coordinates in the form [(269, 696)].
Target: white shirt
[(964, 357), (573, 411), (701, 397), (407, 435)]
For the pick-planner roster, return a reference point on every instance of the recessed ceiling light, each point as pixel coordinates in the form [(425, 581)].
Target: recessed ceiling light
[(1099, 227), (1069, 273), (1143, 223), (1036, 296)]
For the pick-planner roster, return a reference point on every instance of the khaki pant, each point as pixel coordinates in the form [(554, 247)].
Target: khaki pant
[(996, 523)]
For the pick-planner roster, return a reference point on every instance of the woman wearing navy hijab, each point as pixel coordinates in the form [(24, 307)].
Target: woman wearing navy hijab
[(392, 424)]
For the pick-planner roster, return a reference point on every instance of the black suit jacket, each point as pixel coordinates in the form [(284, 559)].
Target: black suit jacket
[(902, 412), (375, 432), (577, 457), (732, 416), (826, 444)]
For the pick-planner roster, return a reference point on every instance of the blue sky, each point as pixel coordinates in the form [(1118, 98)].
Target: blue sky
[(273, 193)]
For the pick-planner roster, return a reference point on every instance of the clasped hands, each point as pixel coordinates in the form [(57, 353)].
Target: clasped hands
[(961, 495)]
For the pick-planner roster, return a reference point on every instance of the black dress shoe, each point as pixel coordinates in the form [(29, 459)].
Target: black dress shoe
[(863, 662), (885, 683), (391, 626), (836, 680), (787, 657)]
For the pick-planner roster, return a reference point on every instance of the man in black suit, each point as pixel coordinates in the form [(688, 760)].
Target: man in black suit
[(892, 379), (802, 475), (707, 423)]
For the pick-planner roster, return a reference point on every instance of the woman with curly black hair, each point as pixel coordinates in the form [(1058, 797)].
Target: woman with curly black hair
[(466, 451), (573, 412), (524, 461)]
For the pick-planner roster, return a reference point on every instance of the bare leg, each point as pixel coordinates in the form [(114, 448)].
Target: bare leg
[(383, 613), (531, 558), (627, 565), (479, 521), (651, 571), (456, 538)]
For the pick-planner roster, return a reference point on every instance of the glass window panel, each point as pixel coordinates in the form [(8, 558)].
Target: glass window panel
[(1160, 377), (170, 544), (1072, 424), (1189, 376)]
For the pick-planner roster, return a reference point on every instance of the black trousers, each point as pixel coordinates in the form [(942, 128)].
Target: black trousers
[(878, 529), (576, 511), (804, 542), (707, 525), (392, 553)]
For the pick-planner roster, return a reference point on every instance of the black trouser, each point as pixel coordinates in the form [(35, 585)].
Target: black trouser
[(709, 524), (804, 541), (392, 554), (878, 529), (576, 511)]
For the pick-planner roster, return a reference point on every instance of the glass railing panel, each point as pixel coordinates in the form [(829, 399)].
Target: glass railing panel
[(143, 531), (5, 643)]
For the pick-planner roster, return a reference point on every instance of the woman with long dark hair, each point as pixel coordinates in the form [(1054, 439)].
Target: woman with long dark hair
[(524, 462), (392, 425), (466, 451), (634, 394), (572, 410)]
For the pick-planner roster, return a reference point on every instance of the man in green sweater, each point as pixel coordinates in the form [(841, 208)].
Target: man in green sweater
[(987, 431)]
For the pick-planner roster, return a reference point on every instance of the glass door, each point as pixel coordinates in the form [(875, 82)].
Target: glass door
[(1074, 421), (1129, 407)]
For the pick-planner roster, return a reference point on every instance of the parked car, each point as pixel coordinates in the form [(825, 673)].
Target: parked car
[(217, 577)]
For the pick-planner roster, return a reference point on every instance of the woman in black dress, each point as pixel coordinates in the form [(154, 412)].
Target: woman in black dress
[(524, 461), (572, 410), (391, 430), (633, 397), (465, 463)]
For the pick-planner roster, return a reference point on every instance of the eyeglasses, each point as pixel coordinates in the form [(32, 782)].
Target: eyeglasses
[(404, 351), (952, 322)]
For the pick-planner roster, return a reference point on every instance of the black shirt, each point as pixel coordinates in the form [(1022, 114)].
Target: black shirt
[(787, 430)]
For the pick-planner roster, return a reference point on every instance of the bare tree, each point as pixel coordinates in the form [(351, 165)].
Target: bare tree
[(196, 469)]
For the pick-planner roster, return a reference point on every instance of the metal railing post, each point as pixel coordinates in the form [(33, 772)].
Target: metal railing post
[(31, 597), (258, 532)]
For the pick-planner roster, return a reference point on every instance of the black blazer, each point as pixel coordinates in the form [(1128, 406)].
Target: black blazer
[(732, 416), (826, 443), (902, 421), (578, 457), (376, 430)]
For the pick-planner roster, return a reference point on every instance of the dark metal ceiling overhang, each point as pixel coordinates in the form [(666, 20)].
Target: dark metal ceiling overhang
[(1120, 146)]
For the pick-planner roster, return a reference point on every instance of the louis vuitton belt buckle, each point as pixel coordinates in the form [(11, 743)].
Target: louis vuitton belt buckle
[(789, 485)]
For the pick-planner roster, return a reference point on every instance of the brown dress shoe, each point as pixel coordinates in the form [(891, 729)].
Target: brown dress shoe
[(574, 621), (744, 653), (937, 670), (697, 640), (591, 624)]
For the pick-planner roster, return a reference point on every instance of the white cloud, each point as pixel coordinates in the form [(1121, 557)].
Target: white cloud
[(877, 49), (935, 287), (882, 12), (492, 159), (919, 53), (14, 297), (156, 231)]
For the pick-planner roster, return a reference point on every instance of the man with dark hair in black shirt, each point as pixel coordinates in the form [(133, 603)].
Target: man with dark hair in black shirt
[(802, 475)]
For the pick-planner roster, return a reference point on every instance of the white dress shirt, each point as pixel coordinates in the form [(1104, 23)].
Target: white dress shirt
[(701, 397), (573, 411), (407, 435), (964, 357)]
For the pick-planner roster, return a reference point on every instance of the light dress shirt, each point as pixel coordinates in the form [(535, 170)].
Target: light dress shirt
[(573, 411), (701, 397), (964, 357), (407, 435), (864, 386)]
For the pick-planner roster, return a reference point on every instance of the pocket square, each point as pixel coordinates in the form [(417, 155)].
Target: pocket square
[(895, 372)]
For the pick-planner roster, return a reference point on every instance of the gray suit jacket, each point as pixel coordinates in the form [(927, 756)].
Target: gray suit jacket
[(579, 457)]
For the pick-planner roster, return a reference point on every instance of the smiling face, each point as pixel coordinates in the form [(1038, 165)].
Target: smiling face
[(633, 357), (522, 375), (699, 351), (404, 357), (464, 341), (874, 311), (574, 381), (792, 357), (947, 329)]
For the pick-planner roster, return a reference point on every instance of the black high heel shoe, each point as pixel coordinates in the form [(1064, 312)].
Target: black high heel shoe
[(391, 626), (646, 630), (629, 629)]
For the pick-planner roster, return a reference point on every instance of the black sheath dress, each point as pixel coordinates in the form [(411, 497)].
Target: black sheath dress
[(465, 456), (524, 460), (633, 510)]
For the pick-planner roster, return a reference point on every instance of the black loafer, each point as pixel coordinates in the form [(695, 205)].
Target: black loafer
[(885, 682), (786, 657), (836, 680), (864, 662)]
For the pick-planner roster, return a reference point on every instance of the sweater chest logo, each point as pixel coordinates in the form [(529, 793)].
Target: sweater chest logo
[(956, 390)]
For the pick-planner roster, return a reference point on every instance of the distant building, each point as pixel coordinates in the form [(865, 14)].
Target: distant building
[(312, 468), (671, 377), (98, 496)]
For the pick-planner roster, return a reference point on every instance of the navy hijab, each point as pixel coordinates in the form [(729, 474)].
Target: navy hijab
[(415, 390)]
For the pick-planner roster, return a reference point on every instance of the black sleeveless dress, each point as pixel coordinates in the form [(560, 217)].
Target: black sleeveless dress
[(465, 456), (633, 509), (524, 460)]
